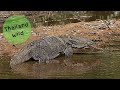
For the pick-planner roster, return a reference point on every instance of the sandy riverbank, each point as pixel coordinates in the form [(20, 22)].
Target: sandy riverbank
[(82, 29)]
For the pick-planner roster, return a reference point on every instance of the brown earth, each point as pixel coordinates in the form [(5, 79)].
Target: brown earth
[(100, 36)]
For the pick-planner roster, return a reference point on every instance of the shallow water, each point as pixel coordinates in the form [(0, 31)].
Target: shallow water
[(84, 66)]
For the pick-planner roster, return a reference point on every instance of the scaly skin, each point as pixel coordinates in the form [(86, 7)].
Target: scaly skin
[(48, 48)]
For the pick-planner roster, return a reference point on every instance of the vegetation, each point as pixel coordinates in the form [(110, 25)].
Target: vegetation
[(48, 18)]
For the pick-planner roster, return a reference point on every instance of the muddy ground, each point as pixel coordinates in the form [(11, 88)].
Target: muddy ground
[(101, 36)]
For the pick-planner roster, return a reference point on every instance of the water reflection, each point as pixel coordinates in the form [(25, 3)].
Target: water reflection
[(77, 16), (103, 15), (5, 71), (59, 68), (82, 66)]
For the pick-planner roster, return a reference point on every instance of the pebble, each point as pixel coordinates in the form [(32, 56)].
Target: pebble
[(99, 24), (92, 32), (78, 31), (78, 64), (1, 37), (66, 34), (74, 33), (0, 49)]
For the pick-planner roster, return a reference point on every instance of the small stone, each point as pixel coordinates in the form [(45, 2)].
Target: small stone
[(92, 32), (74, 33), (78, 31), (78, 64), (1, 34), (0, 49), (66, 34)]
